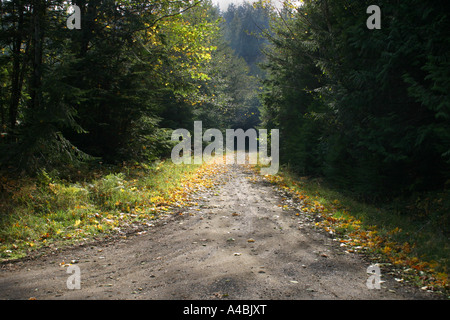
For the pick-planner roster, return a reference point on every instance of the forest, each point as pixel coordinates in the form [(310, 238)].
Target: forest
[(365, 112), (367, 109)]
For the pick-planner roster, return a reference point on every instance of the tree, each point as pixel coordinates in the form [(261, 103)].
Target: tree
[(98, 91), (244, 29), (364, 108)]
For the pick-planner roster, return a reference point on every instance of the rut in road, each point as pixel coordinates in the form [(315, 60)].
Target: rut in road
[(238, 243)]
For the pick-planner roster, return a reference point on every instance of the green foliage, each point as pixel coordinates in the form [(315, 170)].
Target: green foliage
[(48, 210), (113, 90), (106, 91), (369, 107), (245, 27)]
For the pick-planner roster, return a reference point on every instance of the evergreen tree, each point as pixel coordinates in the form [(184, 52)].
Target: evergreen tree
[(369, 108)]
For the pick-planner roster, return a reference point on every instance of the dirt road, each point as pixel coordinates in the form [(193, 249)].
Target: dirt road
[(238, 243)]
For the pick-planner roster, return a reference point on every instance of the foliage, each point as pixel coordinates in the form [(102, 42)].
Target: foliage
[(102, 91), (364, 108), (50, 212), (245, 29), (113, 90)]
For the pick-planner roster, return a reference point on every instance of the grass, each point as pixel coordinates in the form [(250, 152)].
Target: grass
[(410, 236), (429, 239), (49, 211)]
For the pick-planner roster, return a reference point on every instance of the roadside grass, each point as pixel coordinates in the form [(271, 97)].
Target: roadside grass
[(50, 211), (409, 236)]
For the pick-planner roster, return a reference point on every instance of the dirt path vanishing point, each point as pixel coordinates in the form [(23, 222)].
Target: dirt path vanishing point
[(238, 243)]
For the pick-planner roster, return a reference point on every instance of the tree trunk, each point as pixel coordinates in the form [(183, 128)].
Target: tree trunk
[(38, 36), (16, 77)]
